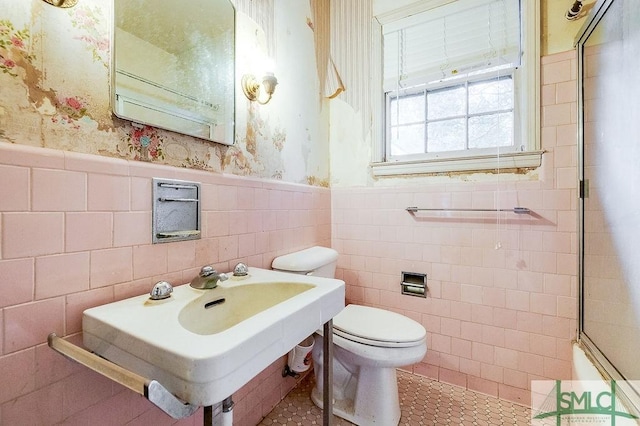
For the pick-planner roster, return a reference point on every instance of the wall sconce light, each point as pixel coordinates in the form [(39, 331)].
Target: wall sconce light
[(252, 88), (574, 13), (62, 3)]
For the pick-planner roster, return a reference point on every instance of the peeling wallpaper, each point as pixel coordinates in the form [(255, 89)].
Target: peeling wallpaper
[(54, 93)]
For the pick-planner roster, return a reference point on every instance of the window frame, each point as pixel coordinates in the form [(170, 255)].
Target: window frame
[(528, 154), (424, 90)]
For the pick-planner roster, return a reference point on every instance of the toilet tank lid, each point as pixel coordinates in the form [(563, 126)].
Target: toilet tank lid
[(305, 260)]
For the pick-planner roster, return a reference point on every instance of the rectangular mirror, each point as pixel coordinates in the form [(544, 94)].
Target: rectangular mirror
[(173, 66)]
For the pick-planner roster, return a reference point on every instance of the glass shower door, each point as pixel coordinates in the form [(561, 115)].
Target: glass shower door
[(609, 62)]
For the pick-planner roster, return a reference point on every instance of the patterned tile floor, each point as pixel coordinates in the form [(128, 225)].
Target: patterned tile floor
[(422, 401)]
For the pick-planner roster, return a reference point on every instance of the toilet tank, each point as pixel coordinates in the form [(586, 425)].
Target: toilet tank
[(316, 261)]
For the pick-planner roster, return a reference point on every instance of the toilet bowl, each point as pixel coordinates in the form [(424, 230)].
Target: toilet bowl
[(368, 345)]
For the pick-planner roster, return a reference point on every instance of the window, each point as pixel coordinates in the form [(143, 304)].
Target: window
[(459, 88), (471, 115)]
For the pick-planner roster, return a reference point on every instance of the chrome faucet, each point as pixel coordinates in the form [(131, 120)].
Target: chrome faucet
[(208, 278)]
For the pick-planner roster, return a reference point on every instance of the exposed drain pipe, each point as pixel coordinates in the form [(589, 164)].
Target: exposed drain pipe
[(220, 414)]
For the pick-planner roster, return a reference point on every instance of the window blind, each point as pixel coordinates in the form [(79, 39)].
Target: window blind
[(451, 40)]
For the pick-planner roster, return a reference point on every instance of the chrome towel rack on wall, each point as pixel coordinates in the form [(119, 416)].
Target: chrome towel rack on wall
[(516, 210)]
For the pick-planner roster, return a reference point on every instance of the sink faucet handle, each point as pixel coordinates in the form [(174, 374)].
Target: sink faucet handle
[(161, 290), (240, 270)]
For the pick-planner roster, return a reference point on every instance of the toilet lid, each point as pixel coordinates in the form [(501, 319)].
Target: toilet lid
[(377, 327)]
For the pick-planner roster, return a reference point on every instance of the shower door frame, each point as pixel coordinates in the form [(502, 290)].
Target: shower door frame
[(628, 394)]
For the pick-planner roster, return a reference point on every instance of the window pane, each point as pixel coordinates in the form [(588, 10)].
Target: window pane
[(447, 102), (410, 108), (407, 140), (448, 135), (491, 130), (492, 95)]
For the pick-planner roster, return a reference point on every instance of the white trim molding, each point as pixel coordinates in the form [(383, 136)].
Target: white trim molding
[(478, 163)]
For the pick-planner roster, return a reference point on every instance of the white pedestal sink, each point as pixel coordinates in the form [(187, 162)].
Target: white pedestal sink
[(204, 345)]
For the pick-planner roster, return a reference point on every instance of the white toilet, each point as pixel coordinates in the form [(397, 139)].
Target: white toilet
[(369, 344)]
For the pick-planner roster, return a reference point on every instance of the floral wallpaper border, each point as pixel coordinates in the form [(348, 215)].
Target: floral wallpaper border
[(54, 75)]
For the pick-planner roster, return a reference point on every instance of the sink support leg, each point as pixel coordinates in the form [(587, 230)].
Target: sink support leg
[(327, 374), (208, 416)]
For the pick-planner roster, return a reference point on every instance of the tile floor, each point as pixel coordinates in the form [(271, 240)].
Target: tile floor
[(423, 402)]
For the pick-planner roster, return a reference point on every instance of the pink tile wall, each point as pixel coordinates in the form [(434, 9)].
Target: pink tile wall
[(75, 232), (496, 318)]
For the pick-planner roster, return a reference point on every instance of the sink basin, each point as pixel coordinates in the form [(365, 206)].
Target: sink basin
[(204, 345), (216, 311)]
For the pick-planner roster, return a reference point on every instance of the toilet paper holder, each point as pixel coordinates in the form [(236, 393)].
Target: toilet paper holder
[(414, 284)]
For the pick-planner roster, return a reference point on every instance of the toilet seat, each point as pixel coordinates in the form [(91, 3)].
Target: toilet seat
[(377, 327)]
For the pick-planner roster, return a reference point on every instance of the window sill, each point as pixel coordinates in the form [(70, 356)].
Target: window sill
[(477, 163)]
